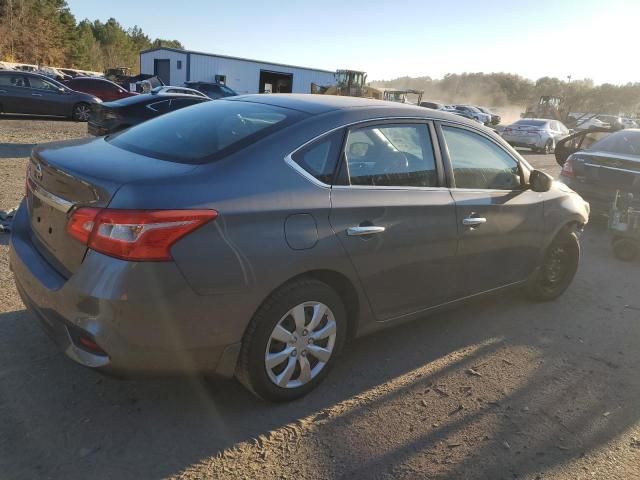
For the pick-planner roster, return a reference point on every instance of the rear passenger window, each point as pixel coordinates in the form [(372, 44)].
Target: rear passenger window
[(320, 158), (478, 163), (391, 155)]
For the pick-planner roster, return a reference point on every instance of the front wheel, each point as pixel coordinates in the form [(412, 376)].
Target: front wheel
[(293, 341), (548, 147), (559, 266), (81, 112)]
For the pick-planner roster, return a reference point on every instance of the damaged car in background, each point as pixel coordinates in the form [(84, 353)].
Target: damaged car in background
[(599, 164)]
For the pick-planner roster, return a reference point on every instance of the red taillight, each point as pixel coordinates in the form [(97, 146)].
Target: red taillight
[(138, 235), (567, 169)]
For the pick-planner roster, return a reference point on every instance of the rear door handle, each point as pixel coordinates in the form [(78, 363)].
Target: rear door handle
[(3, 91), (367, 230), (36, 94), (473, 221)]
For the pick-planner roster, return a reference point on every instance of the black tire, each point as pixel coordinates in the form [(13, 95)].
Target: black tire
[(625, 249), (251, 370), (557, 269), (80, 112), (548, 147)]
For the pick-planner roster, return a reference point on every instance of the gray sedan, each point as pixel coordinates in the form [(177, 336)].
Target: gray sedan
[(538, 134), (254, 236), (33, 94)]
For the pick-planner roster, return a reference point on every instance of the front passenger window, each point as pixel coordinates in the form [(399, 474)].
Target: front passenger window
[(478, 163)]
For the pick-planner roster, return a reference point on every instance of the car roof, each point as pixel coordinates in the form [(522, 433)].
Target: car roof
[(317, 104)]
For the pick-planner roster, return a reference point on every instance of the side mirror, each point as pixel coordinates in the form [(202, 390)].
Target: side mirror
[(61, 90), (540, 181)]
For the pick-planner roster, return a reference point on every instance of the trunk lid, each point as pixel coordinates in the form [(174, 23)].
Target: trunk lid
[(87, 172), (611, 171)]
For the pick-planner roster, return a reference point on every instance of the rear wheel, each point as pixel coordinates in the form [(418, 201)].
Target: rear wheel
[(625, 249), (292, 341), (81, 112), (559, 266)]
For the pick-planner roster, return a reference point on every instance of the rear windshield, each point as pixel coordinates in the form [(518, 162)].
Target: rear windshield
[(624, 143), (204, 132), (531, 123)]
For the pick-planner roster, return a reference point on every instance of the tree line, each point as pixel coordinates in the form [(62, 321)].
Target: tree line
[(505, 89), (45, 32)]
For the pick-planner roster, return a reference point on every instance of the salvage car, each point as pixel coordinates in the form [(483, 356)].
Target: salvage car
[(102, 88), (253, 236), (212, 90), (538, 134), (112, 117), (33, 94), (495, 118), (599, 170), (474, 113)]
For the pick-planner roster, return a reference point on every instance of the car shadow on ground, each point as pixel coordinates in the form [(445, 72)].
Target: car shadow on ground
[(398, 399)]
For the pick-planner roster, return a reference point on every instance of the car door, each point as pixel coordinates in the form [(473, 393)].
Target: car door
[(395, 218), (14, 93), (47, 98), (499, 219)]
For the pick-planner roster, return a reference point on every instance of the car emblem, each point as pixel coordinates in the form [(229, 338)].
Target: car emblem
[(38, 172)]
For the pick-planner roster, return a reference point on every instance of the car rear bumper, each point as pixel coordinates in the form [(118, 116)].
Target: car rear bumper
[(143, 315), (525, 142)]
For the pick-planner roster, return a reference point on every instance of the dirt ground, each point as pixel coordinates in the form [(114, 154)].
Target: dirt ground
[(499, 389)]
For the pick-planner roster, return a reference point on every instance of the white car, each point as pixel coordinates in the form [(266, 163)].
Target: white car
[(538, 134), (599, 121), (628, 123)]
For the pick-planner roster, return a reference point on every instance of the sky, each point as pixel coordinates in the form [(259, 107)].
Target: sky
[(584, 39)]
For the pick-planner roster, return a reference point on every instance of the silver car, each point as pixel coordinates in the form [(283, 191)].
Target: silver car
[(538, 134), (255, 235)]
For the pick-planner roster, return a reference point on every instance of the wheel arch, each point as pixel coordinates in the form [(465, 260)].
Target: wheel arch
[(343, 287)]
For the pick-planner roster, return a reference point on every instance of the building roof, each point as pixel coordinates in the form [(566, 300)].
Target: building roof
[(193, 52)]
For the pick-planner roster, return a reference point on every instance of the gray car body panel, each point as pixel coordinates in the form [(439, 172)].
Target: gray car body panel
[(191, 312)]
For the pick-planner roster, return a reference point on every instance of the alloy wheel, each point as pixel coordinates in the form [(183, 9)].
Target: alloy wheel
[(300, 345), (82, 112), (555, 267)]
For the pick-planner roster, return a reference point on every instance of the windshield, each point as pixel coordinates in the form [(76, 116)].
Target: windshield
[(624, 143), (203, 132)]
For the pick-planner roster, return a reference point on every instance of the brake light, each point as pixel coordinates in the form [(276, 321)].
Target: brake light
[(137, 235), (567, 169)]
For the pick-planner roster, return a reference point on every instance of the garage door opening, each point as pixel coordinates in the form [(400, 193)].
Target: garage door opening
[(275, 82)]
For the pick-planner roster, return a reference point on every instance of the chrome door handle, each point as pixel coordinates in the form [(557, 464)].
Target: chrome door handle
[(473, 221), (3, 91), (368, 230), (36, 94)]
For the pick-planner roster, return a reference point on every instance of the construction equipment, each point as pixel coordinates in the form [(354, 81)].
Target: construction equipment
[(349, 83), (402, 96), (548, 106)]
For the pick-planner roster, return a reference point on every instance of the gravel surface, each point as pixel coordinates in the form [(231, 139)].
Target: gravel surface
[(499, 389)]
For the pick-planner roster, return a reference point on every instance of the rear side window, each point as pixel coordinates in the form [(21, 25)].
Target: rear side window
[(478, 163), (391, 156), (208, 131), (320, 158)]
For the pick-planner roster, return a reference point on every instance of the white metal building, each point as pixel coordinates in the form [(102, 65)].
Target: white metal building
[(175, 67)]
